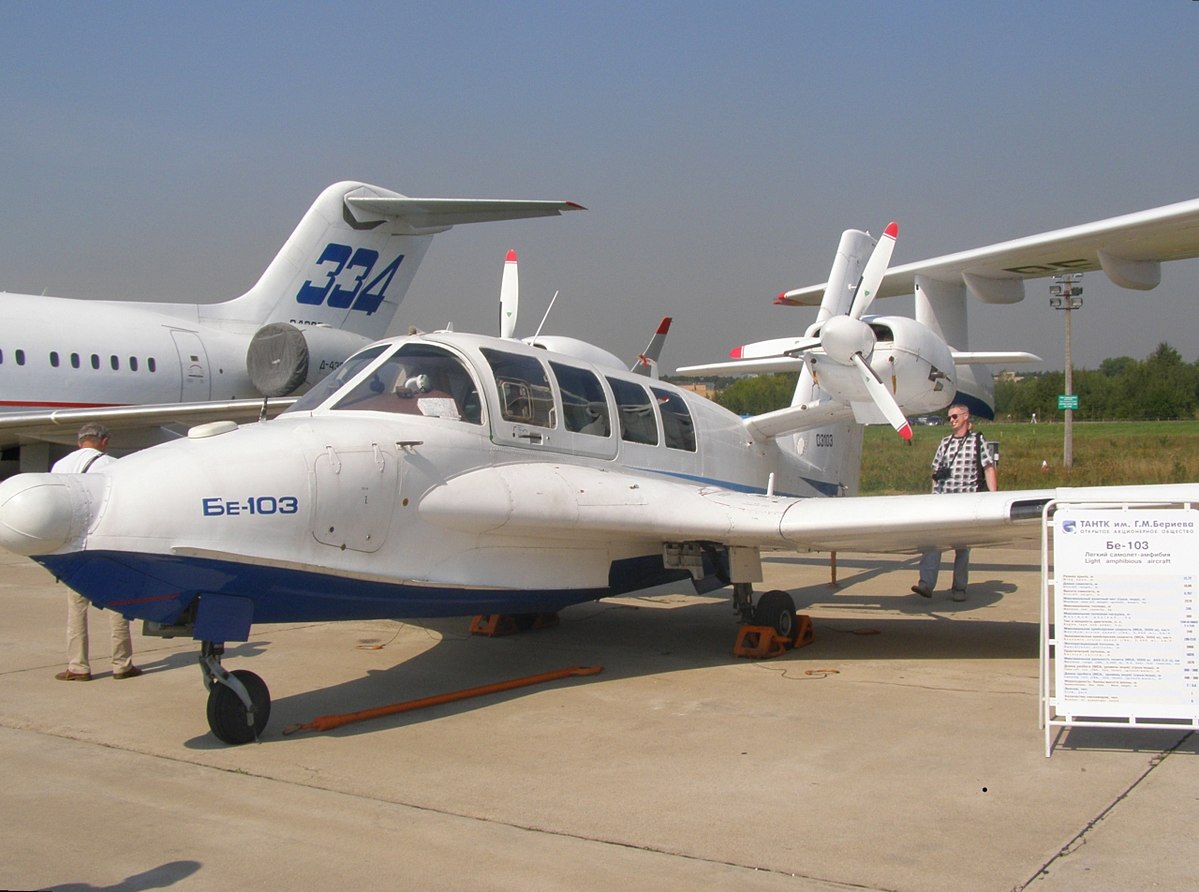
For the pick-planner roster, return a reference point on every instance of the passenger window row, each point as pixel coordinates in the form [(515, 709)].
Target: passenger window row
[(424, 379), (75, 361), (526, 398)]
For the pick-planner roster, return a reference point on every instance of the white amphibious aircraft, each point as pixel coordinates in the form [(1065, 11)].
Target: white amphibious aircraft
[(333, 288), (873, 369), (1128, 249), (449, 474)]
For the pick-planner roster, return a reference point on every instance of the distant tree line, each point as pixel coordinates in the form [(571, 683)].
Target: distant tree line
[(1161, 387)]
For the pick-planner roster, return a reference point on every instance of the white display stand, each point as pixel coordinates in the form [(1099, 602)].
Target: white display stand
[(1119, 616)]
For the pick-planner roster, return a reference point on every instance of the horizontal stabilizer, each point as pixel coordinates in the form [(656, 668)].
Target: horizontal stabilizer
[(795, 419), (425, 214), (992, 357)]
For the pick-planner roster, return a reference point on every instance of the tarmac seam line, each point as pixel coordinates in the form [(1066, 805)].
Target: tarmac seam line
[(1079, 841), (241, 772)]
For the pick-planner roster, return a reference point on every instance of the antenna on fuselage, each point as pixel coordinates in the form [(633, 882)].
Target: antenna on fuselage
[(547, 315)]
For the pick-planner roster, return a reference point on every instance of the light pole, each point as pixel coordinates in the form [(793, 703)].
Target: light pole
[(1066, 295)]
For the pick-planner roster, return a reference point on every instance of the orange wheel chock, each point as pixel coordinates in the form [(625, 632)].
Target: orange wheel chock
[(495, 624), (763, 642)]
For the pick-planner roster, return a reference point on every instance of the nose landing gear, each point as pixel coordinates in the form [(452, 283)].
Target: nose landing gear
[(239, 704)]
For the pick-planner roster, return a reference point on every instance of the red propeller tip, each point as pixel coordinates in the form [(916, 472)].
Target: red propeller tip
[(892, 229), (511, 258), (905, 432)]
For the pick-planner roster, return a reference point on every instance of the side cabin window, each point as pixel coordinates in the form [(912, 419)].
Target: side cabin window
[(638, 424), (418, 379), (524, 389), (677, 425), (584, 405)]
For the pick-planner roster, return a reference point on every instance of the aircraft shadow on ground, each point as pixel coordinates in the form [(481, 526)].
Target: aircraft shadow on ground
[(629, 640), (179, 658), (159, 877)]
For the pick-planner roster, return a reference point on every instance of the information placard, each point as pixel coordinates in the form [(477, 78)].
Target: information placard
[(1125, 611)]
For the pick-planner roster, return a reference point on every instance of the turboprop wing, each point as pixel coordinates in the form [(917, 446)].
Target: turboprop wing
[(1128, 249)]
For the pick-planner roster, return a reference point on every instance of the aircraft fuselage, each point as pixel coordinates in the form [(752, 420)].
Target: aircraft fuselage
[(364, 499)]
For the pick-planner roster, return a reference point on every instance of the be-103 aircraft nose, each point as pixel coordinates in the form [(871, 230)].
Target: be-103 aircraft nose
[(40, 513)]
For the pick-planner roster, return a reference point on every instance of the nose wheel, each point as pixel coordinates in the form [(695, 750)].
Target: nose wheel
[(239, 704)]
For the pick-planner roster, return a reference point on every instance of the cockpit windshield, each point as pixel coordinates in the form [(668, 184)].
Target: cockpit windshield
[(328, 385), (418, 379)]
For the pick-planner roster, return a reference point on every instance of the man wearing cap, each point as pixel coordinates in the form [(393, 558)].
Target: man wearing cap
[(92, 456)]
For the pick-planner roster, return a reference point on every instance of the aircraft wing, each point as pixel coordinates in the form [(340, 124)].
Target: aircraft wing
[(1129, 249), (572, 502), (61, 425)]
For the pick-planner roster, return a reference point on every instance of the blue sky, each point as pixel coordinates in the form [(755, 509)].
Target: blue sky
[(165, 150)]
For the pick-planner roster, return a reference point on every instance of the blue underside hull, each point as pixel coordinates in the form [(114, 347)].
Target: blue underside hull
[(161, 588)]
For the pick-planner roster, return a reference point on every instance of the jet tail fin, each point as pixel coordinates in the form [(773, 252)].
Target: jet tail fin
[(351, 259)]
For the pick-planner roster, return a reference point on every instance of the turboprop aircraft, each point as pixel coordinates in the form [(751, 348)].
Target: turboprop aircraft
[(453, 474), (140, 366), (1128, 249), (874, 369)]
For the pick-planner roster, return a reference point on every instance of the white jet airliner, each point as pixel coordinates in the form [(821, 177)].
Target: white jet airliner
[(139, 366)]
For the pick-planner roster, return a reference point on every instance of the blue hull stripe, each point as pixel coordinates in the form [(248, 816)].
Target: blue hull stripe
[(161, 587)]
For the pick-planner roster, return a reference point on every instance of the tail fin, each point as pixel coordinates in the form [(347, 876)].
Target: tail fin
[(829, 456), (350, 261)]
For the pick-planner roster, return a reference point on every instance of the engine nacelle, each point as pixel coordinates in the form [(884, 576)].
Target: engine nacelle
[(911, 361), (283, 359)]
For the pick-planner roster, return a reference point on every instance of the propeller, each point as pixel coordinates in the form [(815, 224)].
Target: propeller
[(883, 398), (876, 269), (647, 362), (848, 340), (509, 296)]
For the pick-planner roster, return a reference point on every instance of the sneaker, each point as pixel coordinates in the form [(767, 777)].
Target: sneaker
[(68, 675), (922, 590), (959, 594), (131, 672)]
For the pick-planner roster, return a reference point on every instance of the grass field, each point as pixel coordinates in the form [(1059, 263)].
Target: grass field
[(1105, 453)]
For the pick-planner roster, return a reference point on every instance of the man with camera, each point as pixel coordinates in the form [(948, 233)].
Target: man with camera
[(963, 463)]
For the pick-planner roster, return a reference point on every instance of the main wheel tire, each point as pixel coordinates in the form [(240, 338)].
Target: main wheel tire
[(777, 609), (227, 714)]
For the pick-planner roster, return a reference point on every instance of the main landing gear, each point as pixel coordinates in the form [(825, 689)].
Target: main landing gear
[(772, 626), (239, 703)]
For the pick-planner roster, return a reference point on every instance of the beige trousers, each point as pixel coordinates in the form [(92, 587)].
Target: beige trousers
[(77, 644)]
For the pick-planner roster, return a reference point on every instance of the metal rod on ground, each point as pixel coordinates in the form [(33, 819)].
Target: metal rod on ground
[(328, 722)]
